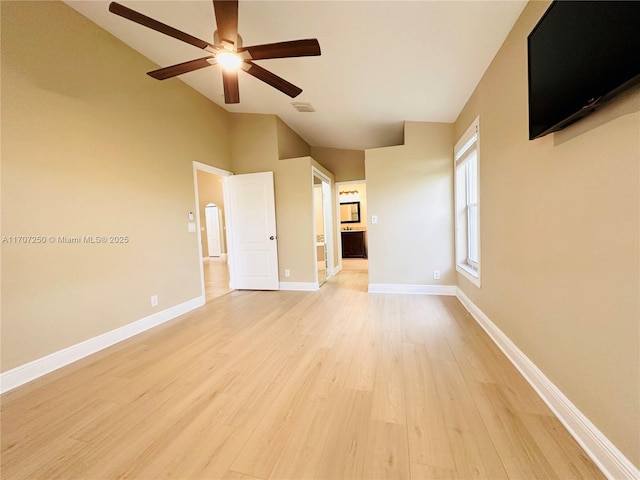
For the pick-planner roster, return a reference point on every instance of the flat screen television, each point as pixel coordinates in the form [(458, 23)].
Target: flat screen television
[(580, 54)]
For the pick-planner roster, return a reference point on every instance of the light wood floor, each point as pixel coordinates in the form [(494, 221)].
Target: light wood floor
[(216, 277), (355, 264), (332, 384)]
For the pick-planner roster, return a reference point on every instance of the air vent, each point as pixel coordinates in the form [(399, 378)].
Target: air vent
[(303, 107)]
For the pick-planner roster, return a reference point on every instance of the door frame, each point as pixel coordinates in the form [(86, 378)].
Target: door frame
[(203, 167), (328, 215), (337, 217)]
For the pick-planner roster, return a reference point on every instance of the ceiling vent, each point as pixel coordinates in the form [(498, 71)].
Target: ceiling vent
[(303, 107)]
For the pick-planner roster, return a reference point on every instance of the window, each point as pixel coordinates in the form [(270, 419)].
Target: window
[(467, 203)]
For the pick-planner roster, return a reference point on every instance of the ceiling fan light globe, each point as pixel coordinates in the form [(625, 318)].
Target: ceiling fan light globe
[(229, 61)]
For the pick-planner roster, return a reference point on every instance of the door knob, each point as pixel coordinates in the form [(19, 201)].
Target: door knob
[(272, 237)]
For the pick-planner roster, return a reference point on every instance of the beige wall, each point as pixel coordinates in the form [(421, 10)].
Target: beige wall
[(346, 165), (560, 236), (409, 188), (93, 146), (294, 216), (254, 142), (290, 144), (210, 191)]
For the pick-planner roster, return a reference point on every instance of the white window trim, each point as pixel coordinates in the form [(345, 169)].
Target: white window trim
[(469, 138)]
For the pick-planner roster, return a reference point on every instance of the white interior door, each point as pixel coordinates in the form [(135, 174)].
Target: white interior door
[(255, 247), (212, 219)]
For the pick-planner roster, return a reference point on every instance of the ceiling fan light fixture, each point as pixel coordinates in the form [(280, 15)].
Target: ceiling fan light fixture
[(229, 60)]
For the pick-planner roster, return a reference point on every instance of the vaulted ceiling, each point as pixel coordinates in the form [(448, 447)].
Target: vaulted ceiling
[(382, 62)]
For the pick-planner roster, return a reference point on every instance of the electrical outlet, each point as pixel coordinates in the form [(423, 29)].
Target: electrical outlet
[(154, 300), (436, 274), (287, 272)]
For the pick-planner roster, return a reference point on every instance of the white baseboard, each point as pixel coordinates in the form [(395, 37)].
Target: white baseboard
[(602, 451), (412, 289), (30, 371), (300, 286)]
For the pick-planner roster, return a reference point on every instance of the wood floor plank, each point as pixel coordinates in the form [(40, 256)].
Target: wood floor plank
[(231, 475), (387, 454), (305, 442), (428, 472), (336, 383), (344, 450), (426, 429), (52, 462), (134, 433), (520, 454), (30, 449), (204, 449), (388, 403), (361, 375), (180, 453), (474, 453), (435, 321), (564, 454), (266, 443)]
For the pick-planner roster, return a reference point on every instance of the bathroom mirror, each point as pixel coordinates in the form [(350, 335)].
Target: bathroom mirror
[(350, 212)]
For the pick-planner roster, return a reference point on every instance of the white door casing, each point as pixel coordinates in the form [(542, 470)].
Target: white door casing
[(255, 247), (328, 226)]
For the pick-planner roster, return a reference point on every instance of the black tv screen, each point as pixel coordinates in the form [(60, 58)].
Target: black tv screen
[(581, 54)]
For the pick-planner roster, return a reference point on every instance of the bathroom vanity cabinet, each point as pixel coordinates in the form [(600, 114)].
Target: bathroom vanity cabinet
[(353, 245)]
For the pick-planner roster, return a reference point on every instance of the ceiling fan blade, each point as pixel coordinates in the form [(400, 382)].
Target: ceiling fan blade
[(227, 20), (295, 48), (231, 88), (272, 79), (156, 25), (180, 68)]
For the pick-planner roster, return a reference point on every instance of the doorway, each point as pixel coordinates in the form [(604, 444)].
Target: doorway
[(211, 216), (353, 239)]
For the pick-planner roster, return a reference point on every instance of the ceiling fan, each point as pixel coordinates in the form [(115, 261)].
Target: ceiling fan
[(226, 50)]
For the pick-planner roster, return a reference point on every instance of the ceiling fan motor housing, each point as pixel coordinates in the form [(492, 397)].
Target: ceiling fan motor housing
[(224, 44)]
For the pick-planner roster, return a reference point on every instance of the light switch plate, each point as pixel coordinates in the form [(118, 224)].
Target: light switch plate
[(374, 219), (191, 226)]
